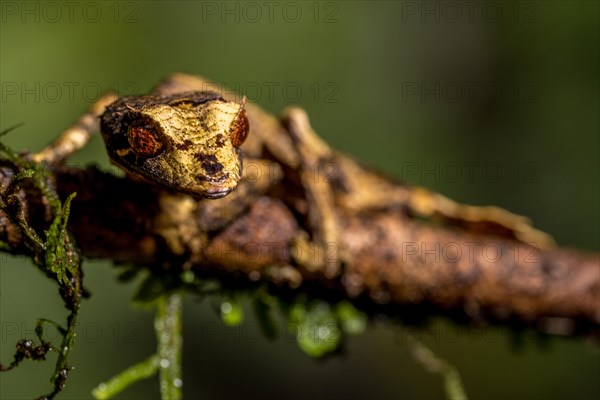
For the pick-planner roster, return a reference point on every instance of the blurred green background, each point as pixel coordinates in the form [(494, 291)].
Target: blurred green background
[(489, 103)]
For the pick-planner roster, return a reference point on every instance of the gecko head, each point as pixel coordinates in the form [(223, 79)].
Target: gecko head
[(188, 142)]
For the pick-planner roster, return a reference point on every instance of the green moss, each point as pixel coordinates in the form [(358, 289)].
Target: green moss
[(53, 252)]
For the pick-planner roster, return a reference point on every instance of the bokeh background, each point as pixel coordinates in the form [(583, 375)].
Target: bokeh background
[(489, 103)]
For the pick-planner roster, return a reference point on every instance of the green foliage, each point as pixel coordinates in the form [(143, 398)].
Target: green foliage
[(453, 386), (316, 327), (232, 313), (263, 305), (54, 253), (166, 361), (353, 321), (142, 370)]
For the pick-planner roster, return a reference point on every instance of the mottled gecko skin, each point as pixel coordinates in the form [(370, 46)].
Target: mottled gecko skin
[(188, 142)]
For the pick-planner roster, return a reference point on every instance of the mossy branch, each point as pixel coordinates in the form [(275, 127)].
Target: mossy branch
[(54, 253), (254, 250)]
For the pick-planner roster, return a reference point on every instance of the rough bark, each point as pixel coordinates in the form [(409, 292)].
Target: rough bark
[(391, 261)]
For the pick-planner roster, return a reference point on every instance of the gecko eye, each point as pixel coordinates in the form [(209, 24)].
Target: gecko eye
[(144, 140), (239, 129)]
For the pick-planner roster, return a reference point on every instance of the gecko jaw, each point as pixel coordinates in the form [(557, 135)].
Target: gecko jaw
[(216, 194)]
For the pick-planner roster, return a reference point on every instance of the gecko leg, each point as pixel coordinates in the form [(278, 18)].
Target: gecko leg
[(485, 219), (368, 190), (363, 189), (322, 249), (76, 136)]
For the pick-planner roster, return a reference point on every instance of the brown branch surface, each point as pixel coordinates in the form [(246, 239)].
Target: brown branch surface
[(389, 258)]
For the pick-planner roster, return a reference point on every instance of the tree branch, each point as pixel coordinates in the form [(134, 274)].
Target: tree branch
[(391, 261)]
